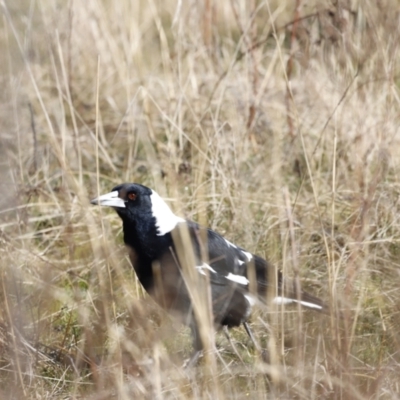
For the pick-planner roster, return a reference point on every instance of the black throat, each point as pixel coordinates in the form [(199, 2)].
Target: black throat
[(141, 236)]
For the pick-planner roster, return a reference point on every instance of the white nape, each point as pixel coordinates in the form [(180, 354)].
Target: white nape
[(238, 279), (166, 220)]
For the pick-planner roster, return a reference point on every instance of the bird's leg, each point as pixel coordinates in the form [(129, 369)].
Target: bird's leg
[(193, 360), (252, 337), (226, 332), (197, 345), (263, 353)]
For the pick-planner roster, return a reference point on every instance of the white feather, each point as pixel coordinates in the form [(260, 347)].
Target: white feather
[(251, 299), (166, 220), (279, 300), (248, 255), (238, 279), (204, 266), (230, 244)]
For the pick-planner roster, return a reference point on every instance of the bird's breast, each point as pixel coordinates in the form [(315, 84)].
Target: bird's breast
[(142, 267)]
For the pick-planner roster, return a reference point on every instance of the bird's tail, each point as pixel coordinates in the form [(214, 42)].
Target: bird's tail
[(291, 295)]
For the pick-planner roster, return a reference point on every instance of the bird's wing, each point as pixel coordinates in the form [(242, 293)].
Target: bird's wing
[(231, 265), (213, 256), (223, 261)]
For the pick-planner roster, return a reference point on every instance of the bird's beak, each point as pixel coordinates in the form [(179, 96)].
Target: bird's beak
[(110, 199)]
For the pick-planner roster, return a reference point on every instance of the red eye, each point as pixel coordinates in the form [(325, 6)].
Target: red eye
[(131, 196)]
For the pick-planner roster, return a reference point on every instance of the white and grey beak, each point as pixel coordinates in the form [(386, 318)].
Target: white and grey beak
[(110, 199)]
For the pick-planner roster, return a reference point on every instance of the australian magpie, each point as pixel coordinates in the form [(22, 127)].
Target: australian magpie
[(166, 250)]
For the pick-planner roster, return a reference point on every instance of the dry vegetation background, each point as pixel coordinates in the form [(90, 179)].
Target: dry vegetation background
[(274, 122)]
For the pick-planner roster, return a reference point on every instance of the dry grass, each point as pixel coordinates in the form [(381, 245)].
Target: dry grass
[(279, 131)]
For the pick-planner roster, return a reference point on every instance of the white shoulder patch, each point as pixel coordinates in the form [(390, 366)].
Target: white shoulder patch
[(166, 220)]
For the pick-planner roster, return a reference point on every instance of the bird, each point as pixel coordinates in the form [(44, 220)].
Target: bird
[(167, 251)]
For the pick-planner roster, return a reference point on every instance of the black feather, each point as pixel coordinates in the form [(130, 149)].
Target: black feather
[(153, 235)]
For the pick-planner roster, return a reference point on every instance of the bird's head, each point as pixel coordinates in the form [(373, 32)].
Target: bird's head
[(133, 202)]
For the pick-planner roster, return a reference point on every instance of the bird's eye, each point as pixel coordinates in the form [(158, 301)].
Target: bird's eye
[(131, 196)]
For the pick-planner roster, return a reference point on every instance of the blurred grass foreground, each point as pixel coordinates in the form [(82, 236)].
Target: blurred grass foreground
[(272, 122)]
